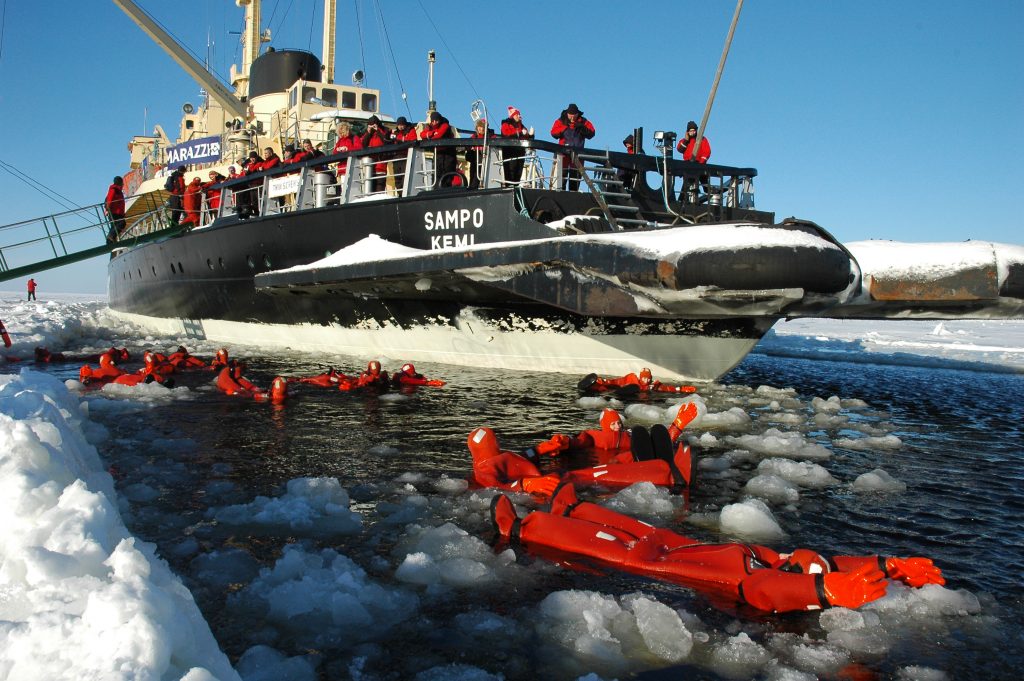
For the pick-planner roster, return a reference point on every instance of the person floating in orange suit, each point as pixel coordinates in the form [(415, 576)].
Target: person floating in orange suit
[(612, 443), (493, 467), (328, 379), (374, 376), (180, 359), (644, 383), (156, 363), (408, 376), (220, 360), (730, 573), (107, 371), (44, 356), (230, 381)]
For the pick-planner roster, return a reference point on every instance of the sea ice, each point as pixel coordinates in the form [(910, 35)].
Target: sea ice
[(772, 488), (878, 481), (803, 473), (750, 519)]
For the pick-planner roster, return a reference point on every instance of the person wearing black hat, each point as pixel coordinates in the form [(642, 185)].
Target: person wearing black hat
[(685, 147), (572, 130), (627, 177), (403, 132), (437, 128), (114, 203), (376, 136)]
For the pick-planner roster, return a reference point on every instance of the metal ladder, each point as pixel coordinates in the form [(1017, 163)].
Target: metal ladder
[(616, 203)]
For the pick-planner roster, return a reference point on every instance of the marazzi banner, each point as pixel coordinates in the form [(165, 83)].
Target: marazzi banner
[(202, 150)]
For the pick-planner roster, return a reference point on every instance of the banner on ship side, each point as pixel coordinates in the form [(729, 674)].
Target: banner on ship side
[(202, 150)]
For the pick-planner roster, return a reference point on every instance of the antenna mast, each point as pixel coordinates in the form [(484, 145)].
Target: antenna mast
[(431, 104)]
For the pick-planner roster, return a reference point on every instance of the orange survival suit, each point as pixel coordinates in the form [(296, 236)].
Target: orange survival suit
[(739, 573)]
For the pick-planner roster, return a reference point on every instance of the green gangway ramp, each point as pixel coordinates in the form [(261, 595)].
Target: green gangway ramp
[(44, 243)]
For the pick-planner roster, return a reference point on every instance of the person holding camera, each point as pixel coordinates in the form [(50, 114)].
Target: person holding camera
[(686, 148), (438, 128), (572, 130), (376, 135)]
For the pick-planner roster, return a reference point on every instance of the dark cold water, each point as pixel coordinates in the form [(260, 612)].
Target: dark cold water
[(962, 459)]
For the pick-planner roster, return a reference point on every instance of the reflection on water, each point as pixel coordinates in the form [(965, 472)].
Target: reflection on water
[(961, 460)]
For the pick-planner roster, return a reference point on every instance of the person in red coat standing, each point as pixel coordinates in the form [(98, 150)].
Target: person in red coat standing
[(438, 128), (403, 132), (192, 202), (572, 130), (31, 289), (376, 136), (114, 204), (512, 157), (685, 146)]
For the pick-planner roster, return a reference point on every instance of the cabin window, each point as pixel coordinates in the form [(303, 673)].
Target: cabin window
[(348, 99), (293, 97), (189, 125), (329, 97), (308, 95), (369, 102)]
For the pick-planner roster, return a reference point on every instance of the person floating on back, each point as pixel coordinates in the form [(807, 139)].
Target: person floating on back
[(730, 573), (644, 383)]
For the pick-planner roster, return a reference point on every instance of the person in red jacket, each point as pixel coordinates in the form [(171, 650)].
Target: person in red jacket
[(403, 132), (474, 155), (328, 379), (31, 289), (408, 376), (114, 204), (438, 128), (212, 195), (376, 135), (192, 202), (685, 146), (730, 573), (572, 130), (512, 157), (345, 141), (644, 383)]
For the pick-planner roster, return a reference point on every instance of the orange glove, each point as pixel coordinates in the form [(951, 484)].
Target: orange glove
[(437, 383), (854, 589), (686, 413), (556, 444), (914, 571), (542, 486), (685, 389)]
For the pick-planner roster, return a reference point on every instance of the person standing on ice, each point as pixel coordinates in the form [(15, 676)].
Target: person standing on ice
[(730, 573), (31, 289)]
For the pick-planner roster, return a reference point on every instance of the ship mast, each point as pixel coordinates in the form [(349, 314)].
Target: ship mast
[(330, 11), (252, 38)]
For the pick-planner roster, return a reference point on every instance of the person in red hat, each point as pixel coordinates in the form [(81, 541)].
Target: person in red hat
[(572, 130), (512, 157), (114, 203), (376, 135), (730, 573)]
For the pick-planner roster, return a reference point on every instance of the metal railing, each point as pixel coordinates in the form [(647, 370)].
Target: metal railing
[(63, 238)]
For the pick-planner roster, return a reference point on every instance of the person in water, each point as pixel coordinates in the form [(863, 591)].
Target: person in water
[(328, 379), (374, 376), (644, 382), (230, 381), (518, 472), (407, 376), (730, 573), (180, 359), (611, 442)]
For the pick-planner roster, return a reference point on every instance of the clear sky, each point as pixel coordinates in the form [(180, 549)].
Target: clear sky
[(875, 119)]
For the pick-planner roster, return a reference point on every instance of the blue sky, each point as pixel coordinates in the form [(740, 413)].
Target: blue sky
[(877, 120)]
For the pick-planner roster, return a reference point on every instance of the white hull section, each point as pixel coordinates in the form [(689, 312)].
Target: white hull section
[(670, 357)]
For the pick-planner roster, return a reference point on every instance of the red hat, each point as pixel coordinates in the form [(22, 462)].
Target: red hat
[(483, 444), (645, 375), (512, 111), (373, 367), (408, 369)]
